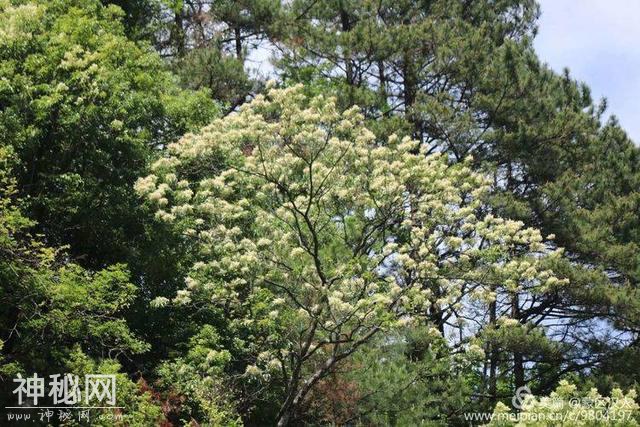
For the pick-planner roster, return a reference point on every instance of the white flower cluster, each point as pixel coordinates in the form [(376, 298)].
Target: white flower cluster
[(293, 199)]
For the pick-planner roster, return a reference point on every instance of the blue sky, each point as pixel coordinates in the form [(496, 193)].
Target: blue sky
[(598, 40)]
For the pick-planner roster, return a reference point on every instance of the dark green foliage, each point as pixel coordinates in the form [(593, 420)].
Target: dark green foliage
[(52, 311), (84, 108)]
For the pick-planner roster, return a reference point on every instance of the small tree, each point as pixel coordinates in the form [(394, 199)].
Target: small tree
[(314, 238)]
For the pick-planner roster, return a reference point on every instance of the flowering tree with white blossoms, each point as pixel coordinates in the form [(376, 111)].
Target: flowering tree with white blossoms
[(314, 237)]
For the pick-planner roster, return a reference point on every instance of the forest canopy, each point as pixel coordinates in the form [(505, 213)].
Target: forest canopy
[(403, 217)]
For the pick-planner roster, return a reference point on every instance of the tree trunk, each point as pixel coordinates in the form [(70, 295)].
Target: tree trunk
[(518, 363), (178, 35), (294, 399), (493, 355), (238, 37), (345, 23)]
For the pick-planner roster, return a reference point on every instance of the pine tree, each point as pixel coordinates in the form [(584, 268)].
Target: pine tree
[(462, 77)]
